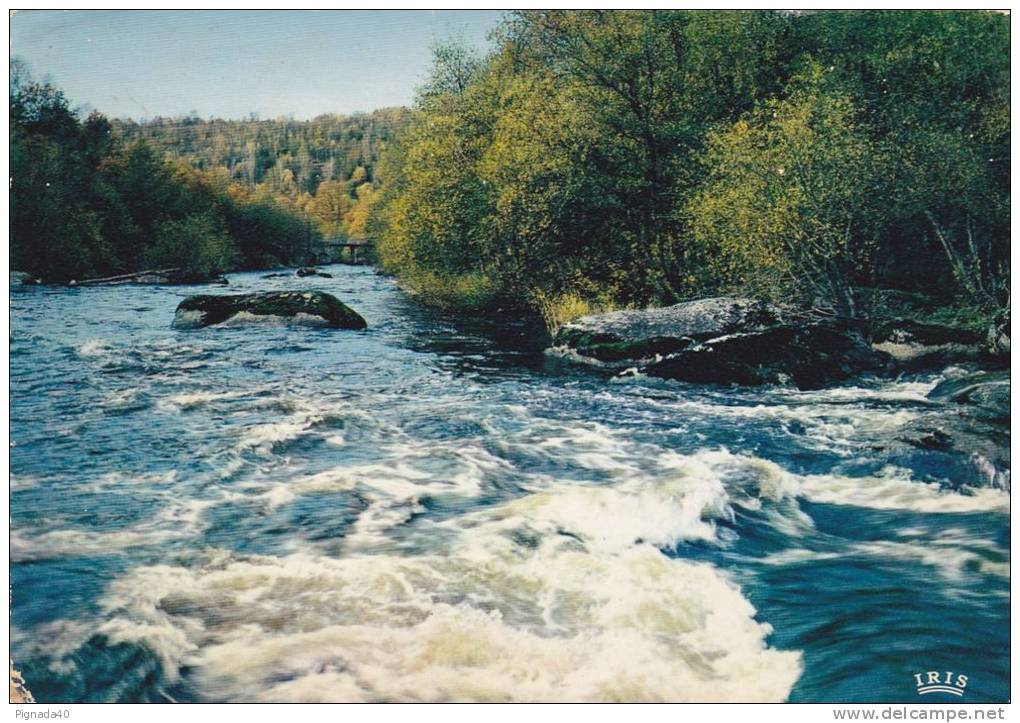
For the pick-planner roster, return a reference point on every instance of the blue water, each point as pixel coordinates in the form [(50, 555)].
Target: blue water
[(435, 509)]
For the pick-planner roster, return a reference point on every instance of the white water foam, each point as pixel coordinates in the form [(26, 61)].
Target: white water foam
[(193, 400), (895, 489), (177, 520), (892, 489), (394, 489), (835, 421), (93, 348), (245, 318), (20, 482), (952, 562), (559, 595), (529, 601), (302, 417), (750, 481), (263, 438)]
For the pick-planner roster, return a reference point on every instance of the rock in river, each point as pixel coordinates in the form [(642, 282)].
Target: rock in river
[(304, 307), (971, 422), (915, 346), (311, 271), (725, 340), (986, 394), (22, 278)]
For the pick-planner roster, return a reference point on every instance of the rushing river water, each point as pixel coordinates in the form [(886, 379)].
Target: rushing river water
[(436, 510)]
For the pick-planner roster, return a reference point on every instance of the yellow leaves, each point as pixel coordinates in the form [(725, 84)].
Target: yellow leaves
[(782, 192), (558, 308), (359, 175), (357, 218)]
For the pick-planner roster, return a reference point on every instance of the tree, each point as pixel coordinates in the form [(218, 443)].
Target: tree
[(199, 243), (85, 204), (788, 207), (330, 206), (654, 82)]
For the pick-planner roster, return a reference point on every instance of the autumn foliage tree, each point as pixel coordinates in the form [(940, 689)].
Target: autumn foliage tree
[(625, 158)]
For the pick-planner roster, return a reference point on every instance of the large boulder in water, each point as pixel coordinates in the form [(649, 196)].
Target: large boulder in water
[(305, 307), (725, 341)]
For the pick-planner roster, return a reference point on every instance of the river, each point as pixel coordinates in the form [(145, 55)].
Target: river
[(434, 509)]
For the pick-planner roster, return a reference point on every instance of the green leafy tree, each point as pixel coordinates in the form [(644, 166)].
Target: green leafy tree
[(787, 208), (197, 243), (84, 204)]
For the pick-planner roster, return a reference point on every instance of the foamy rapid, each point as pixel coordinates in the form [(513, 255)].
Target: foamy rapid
[(177, 519), (552, 597), (897, 490)]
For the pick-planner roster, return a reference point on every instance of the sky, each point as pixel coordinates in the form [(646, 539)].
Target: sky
[(143, 64)]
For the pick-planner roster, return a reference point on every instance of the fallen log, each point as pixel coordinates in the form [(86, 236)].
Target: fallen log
[(153, 276), (127, 278)]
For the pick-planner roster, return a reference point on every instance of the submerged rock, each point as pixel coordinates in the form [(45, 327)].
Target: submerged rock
[(985, 394), (312, 271), (972, 425), (304, 307), (954, 438), (725, 340)]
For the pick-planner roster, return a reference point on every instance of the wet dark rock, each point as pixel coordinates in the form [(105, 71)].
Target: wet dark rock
[(950, 437), (921, 337), (917, 346), (911, 331), (22, 278), (971, 423), (636, 335), (984, 394), (304, 307), (303, 272), (910, 358), (312, 271), (926, 436), (725, 340)]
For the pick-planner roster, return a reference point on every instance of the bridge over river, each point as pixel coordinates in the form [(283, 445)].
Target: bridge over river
[(344, 251)]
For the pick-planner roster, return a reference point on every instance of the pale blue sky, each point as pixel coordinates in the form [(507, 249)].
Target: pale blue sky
[(142, 64)]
